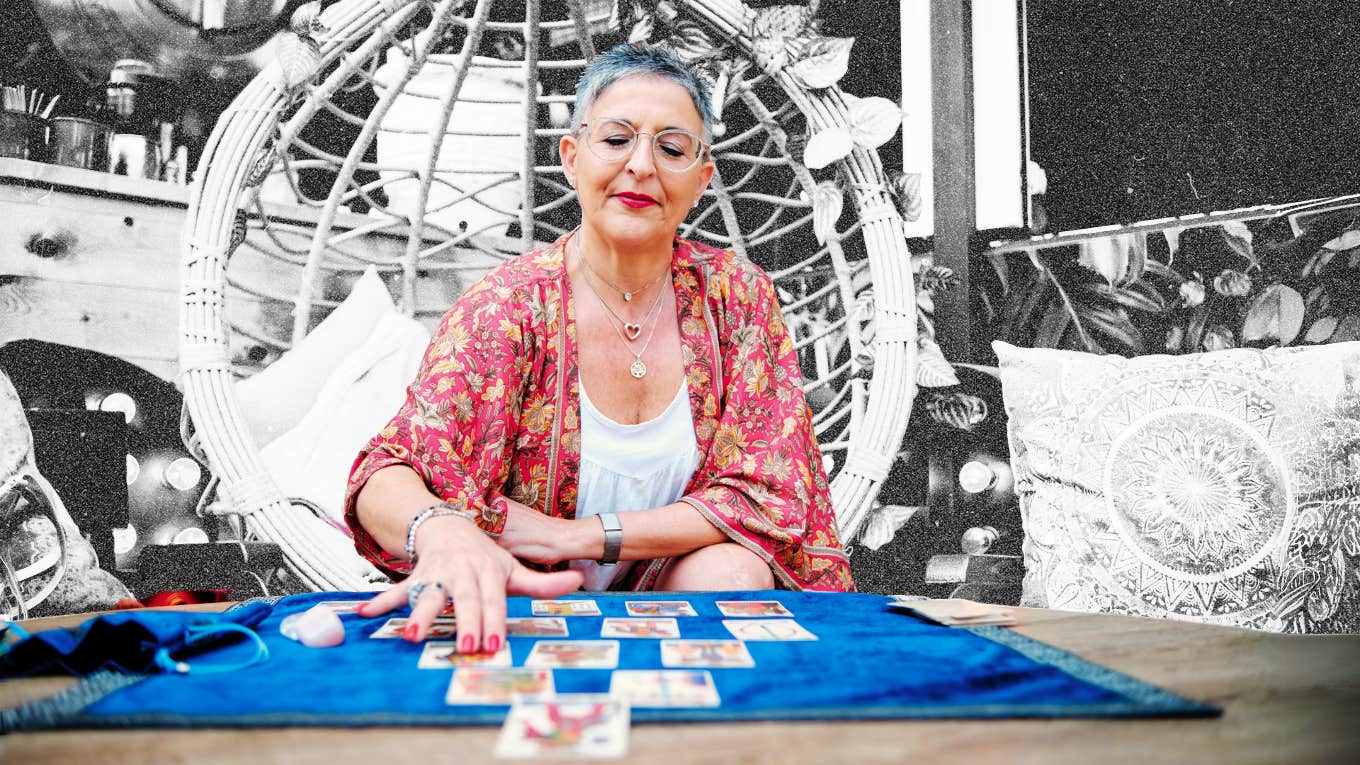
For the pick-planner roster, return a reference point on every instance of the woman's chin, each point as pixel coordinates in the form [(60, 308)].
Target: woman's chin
[(633, 226)]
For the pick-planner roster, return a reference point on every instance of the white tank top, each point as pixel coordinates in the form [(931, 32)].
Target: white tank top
[(632, 467)]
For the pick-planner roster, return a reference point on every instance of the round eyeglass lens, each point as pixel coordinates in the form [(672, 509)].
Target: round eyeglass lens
[(675, 150)]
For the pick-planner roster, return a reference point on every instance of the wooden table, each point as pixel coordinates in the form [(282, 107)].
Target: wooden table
[(1286, 699)]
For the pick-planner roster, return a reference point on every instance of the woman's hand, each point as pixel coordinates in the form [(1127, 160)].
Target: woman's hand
[(457, 562), (532, 536)]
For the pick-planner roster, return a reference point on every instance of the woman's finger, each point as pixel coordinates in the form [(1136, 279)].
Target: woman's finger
[(428, 606), (385, 601), (467, 605), (536, 584), (492, 586)]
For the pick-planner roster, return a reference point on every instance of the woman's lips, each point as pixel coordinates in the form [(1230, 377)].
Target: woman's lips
[(635, 201)]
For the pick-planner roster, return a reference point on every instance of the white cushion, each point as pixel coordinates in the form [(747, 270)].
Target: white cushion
[(275, 400), (313, 459)]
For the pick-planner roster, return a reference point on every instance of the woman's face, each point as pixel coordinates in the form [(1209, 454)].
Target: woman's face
[(632, 200)]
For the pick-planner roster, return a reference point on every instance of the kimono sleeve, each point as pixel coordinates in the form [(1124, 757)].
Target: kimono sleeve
[(457, 424), (766, 486)]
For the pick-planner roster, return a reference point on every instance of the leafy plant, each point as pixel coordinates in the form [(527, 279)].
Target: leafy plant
[(1184, 290)]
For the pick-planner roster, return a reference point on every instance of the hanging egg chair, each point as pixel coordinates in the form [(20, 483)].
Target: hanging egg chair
[(431, 128)]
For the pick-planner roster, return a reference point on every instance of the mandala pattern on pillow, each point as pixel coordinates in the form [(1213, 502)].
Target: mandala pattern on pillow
[(1221, 487)]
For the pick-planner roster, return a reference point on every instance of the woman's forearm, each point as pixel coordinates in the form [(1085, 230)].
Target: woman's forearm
[(388, 502), (661, 532)]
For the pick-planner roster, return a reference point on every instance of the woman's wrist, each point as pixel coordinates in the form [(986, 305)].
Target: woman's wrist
[(589, 539), (437, 519)]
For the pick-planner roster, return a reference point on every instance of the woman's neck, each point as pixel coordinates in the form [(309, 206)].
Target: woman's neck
[(627, 263)]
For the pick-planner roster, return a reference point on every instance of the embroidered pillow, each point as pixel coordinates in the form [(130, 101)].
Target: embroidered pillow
[(1219, 487)]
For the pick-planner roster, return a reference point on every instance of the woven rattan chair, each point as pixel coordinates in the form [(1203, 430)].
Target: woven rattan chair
[(454, 73)]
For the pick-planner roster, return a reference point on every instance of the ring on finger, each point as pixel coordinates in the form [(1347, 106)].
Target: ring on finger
[(417, 587)]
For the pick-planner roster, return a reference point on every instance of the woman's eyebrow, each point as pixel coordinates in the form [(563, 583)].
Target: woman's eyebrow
[(633, 124)]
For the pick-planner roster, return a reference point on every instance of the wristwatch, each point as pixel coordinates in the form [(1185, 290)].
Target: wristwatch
[(613, 538)]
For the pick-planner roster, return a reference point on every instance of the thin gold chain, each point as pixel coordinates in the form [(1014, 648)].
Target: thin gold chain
[(638, 368), (580, 253), (627, 294)]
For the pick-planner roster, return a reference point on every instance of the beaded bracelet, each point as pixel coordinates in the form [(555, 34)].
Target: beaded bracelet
[(433, 511)]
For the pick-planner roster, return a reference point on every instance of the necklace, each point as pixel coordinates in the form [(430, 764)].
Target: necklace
[(638, 368), (631, 329), (627, 294)]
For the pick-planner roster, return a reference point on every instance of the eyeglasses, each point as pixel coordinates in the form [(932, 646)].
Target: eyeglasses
[(674, 149)]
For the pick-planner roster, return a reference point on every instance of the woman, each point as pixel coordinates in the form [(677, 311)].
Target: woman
[(619, 369)]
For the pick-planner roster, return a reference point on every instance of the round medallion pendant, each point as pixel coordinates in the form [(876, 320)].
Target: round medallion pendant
[(638, 369)]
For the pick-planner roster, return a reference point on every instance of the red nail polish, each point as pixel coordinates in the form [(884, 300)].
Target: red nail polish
[(469, 644), (493, 643), (411, 632)]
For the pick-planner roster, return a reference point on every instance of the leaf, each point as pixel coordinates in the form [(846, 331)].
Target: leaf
[(298, 59), (1119, 257), (1173, 241), (932, 369), (1146, 300), (238, 232), (1348, 329), (642, 28), (827, 146), (1347, 241), (1114, 324), (1321, 330), (906, 191), (1238, 238), (1052, 327), (692, 42), (873, 121), (824, 63), (884, 523), (264, 162), (828, 201), (772, 28), (1194, 331), (1275, 314)]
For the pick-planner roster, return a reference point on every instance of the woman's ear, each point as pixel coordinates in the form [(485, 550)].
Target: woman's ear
[(706, 171), (566, 149)]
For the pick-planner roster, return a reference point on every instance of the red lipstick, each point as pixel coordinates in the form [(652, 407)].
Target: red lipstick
[(635, 201)]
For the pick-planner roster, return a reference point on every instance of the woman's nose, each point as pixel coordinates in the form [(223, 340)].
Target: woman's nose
[(641, 162)]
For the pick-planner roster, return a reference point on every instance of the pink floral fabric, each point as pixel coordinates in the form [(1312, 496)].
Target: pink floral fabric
[(495, 412)]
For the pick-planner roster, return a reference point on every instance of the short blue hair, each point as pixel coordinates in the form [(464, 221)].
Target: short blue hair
[(629, 59)]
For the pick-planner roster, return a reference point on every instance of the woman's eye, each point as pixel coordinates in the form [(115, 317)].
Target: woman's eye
[(672, 150), (617, 140)]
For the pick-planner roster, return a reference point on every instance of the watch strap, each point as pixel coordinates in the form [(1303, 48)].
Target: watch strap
[(613, 538)]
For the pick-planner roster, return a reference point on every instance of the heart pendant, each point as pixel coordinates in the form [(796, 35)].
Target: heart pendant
[(632, 330)]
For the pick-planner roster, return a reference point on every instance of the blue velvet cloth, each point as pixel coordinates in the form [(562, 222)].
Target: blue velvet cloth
[(869, 662), (123, 641)]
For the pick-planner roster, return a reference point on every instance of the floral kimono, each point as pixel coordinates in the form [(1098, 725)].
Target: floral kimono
[(495, 412)]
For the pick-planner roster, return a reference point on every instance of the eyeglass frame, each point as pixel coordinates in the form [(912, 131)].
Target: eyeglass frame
[(704, 146)]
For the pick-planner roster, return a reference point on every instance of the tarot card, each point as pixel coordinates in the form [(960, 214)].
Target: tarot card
[(444, 655), (574, 654), (767, 629), (499, 685), (343, 607), (664, 687), (748, 608), (957, 612), (440, 629), (552, 626), (705, 653), (660, 608), (565, 608), (447, 613), (639, 628), (571, 725)]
